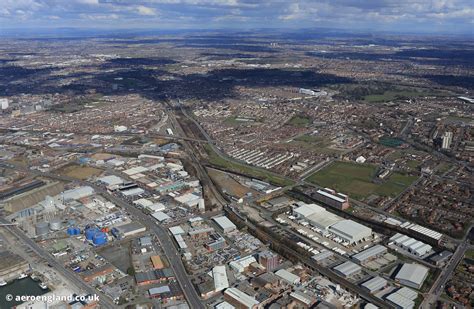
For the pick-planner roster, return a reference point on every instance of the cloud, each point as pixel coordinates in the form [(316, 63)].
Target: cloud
[(350, 14), (146, 11)]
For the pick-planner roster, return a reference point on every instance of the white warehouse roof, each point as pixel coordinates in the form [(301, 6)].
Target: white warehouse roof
[(350, 230), (287, 276), (225, 223), (369, 253), (324, 219), (77, 193), (219, 274), (307, 210), (247, 300)]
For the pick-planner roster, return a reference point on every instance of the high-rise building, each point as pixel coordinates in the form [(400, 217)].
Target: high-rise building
[(269, 260), (447, 139), (4, 103)]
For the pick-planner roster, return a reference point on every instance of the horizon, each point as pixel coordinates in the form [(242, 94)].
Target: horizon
[(426, 17)]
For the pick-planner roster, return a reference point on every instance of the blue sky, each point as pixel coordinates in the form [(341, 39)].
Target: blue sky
[(435, 16)]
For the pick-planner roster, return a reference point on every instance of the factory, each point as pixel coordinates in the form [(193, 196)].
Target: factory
[(369, 254), (225, 224), (332, 198), (242, 264), (239, 299), (288, 277), (219, 274), (351, 231), (128, 229), (347, 269), (403, 298), (411, 245), (412, 275), (374, 284)]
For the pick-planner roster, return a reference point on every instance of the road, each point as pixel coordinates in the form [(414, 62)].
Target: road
[(438, 287), (104, 301)]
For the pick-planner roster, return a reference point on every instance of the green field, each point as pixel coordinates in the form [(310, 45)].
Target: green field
[(299, 121), (401, 93), (356, 180), (248, 170)]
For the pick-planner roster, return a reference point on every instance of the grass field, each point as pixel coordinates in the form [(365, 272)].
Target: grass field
[(299, 121), (250, 171), (391, 95), (356, 180), (317, 144), (79, 172)]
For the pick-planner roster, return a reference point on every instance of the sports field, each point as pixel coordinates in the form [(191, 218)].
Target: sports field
[(356, 180)]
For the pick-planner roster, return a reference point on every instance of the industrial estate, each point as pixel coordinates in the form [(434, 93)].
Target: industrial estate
[(218, 170)]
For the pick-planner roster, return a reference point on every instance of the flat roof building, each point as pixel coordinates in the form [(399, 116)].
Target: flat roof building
[(287, 276), (351, 231), (219, 274), (225, 224), (403, 298)]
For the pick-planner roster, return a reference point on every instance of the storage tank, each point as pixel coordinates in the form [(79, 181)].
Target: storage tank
[(90, 232), (100, 238), (77, 231), (71, 231), (55, 225), (42, 228)]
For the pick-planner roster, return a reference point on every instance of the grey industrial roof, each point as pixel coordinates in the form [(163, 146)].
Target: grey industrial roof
[(351, 228), (224, 222), (347, 268), (322, 255), (415, 273), (369, 253), (374, 284), (401, 301)]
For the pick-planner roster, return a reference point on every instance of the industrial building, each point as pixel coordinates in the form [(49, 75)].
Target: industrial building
[(347, 269), (369, 254), (351, 231), (12, 265), (403, 298), (412, 275), (321, 256), (225, 224), (288, 277), (219, 274), (129, 229), (332, 198), (374, 284), (77, 193), (242, 264), (316, 215), (411, 245), (239, 299)]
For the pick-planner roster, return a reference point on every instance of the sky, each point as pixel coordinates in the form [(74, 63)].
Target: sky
[(428, 16)]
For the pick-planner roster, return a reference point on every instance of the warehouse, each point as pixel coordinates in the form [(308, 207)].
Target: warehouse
[(412, 275), (241, 265), (351, 231), (323, 220), (347, 269), (225, 224), (411, 245), (160, 216), (321, 256), (130, 229), (375, 284), (239, 299), (404, 298), (132, 192), (111, 180), (305, 210), (78, 193), (369, 254), (287, 276), (219, 274)]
